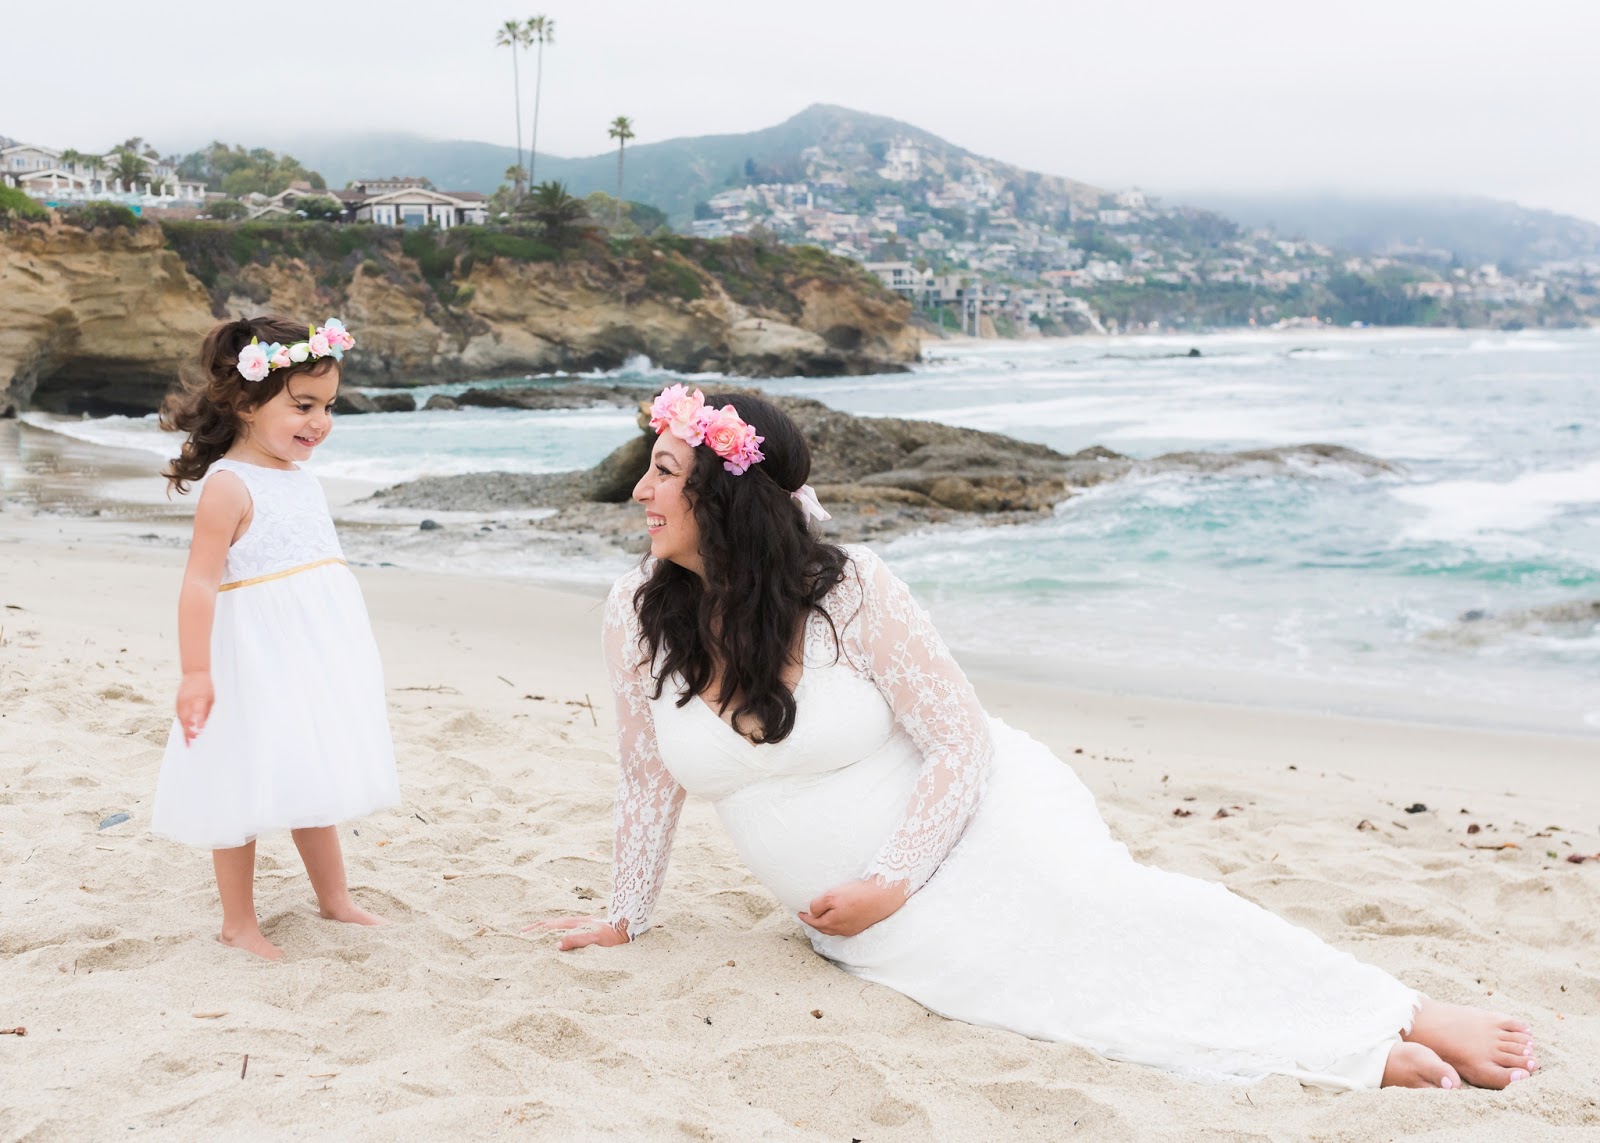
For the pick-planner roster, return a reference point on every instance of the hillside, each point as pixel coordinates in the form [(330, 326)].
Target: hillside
[(1472, 231), (674, 175)]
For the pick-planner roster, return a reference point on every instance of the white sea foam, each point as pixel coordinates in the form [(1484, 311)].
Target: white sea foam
[(1464, 509)]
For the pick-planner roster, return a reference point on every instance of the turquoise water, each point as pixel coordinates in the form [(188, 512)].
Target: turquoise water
[(1327, 590)]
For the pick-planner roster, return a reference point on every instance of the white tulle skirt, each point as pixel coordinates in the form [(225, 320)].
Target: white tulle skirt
[(299, 733)]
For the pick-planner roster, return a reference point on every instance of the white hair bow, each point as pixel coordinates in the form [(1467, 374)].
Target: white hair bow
[(806, 497)]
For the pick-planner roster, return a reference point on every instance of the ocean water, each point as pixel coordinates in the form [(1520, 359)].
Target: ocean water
[(1453, 590)]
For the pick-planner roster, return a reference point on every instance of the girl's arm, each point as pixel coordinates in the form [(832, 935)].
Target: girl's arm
[(224, 505)]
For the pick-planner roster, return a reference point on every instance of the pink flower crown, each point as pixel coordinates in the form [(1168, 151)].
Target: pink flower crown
[(687, 416), (331, 340)]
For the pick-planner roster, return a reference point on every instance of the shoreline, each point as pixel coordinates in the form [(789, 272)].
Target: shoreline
[(122, 493)]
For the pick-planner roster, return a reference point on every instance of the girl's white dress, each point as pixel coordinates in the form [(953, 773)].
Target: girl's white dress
[(299, 733), (1027, 914)]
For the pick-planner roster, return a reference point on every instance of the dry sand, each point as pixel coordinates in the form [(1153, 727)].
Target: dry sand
[(720, 1023)]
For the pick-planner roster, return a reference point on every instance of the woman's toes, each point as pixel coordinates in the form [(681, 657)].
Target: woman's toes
[(1510, 1058), (1517, 1074)]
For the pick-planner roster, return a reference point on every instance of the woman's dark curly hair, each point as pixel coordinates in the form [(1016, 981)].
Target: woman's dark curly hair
[(212, 393), (765, 572)]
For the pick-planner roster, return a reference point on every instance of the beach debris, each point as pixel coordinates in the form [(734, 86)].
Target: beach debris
[(244, 1066), (14, 607), (419, 817), (429, 526), (1221, 813), (1416, 808), (584, 893), (1474, 828), (507, 681), (1501, 845), (816, 1013), (728, 965), (322, 1075), (1292, 766), (1365, 824), (209, 1015), (1077, 750), (451, 876), (1580, 858), (19, 1030), (114, 819), (1180, 812)]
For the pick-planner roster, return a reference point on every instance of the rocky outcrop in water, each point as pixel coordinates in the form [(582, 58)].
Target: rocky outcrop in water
[(1567, 618), (877, 475)]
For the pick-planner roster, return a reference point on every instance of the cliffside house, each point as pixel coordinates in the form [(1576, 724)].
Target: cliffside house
[(383, 202), (42, 173)]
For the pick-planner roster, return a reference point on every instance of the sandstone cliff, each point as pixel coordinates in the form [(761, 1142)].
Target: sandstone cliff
[(101, 321)]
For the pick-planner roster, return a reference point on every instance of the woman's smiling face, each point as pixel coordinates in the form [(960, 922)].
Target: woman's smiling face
[(669, 517)]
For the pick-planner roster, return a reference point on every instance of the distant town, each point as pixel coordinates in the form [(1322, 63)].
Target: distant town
[(976, 246)]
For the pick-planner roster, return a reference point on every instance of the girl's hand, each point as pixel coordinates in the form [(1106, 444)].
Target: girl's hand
[(595, 932), (853, 907), (195, 697)]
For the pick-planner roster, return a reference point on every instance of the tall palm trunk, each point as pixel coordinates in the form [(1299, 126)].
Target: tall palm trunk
[(538, 84), (516, 84)]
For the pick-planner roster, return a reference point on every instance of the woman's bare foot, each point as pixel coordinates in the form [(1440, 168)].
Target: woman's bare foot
[(251, 940), (350, 913), (1487, 1049), (1415, 1065)]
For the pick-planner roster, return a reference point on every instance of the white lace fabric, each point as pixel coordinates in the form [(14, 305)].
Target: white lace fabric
[(290, 524), (884, 637)]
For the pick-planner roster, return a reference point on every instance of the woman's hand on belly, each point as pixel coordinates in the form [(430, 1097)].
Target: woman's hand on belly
[(595, 931), (853, 907)]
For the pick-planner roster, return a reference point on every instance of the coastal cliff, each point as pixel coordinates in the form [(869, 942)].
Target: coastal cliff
[(101, 321)]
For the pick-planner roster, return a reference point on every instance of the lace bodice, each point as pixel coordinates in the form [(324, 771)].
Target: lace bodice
[(885, 639), (290, 524)]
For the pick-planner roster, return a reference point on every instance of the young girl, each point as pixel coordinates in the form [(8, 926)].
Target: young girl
[(281, 721)]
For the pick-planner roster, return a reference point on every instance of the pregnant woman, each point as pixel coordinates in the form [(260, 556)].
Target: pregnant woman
[(800, 687)]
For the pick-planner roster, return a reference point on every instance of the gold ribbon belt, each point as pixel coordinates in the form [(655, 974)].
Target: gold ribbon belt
[(281, 574)]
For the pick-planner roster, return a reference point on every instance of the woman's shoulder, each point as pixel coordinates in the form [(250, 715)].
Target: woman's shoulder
[(620, 598)]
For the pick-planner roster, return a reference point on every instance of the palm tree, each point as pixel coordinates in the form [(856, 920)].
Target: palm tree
[(539, 30), (621, 130), (512, 35), (129, 169), (558, 212)]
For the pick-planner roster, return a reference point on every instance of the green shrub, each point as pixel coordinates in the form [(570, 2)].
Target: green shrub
[(101, 216), (15, 204)]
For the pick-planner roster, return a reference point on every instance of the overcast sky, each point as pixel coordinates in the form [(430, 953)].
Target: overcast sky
[(1381, 96)]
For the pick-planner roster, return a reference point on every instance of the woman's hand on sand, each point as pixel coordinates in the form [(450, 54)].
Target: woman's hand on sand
[(195, 697), (853, 907), (595, 931)]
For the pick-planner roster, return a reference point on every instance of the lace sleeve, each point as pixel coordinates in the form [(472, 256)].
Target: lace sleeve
[(936, 705), (649, 799)]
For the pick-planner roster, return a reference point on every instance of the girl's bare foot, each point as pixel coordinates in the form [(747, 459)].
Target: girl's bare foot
[(1414, 1065), (1487, 1049), (251, 940), (350, 913)]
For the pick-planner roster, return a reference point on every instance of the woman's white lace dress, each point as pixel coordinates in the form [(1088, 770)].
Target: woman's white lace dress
[(1025, 913), (299, 732)]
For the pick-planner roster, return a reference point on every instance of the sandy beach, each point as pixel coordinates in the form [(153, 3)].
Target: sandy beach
[(720, 1024)]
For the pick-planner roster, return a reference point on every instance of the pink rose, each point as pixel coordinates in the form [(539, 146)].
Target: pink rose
[(733, 440), (280, 357), (319, 345), (253, 364), (680, 411)]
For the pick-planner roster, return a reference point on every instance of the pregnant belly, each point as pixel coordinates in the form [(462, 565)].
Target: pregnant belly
[(806, 834)]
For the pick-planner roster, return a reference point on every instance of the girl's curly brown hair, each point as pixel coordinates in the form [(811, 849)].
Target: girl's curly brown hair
[(212, 394)]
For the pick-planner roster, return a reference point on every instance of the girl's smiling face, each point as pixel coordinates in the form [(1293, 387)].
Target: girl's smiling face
[(668, 515), (291, 425)]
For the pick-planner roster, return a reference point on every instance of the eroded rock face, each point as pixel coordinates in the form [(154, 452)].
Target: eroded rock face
[(94, 322), (101, 321)]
